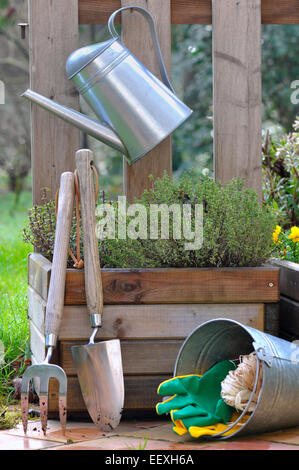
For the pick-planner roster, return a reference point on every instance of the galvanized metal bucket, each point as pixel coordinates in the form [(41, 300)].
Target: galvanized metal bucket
[(220, 339)]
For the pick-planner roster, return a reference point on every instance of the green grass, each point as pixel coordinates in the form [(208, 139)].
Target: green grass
[(14, 328)]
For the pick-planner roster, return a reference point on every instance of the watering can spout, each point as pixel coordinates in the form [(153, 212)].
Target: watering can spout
[(100, 130)]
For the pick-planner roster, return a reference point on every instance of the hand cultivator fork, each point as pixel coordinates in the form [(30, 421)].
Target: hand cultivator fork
[(54, 310)]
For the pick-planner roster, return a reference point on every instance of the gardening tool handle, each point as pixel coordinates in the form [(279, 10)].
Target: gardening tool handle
[(55, 303), (92, 270)]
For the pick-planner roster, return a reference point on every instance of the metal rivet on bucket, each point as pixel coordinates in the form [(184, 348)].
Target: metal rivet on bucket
[(220, 339)]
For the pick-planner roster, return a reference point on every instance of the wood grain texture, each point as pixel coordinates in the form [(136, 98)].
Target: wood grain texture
[(38, 274), (237, 91), (132, 322), (203, 285), (139, 357), (55, 301), (92, 273), (159, 286), (271, 325), (37, 343), (53, 36), (36, 309), (191, 11), (288, 278), (140, 393), (136, 176)]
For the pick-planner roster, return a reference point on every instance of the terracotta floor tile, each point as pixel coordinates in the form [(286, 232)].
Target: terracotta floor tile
[(148, 424), (8, 442), (250, 444), (130, 433), (127, 443), (75, 431), (163, 433), (286, 436)]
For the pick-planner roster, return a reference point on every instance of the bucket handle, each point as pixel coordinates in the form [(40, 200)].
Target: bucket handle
[(154, 33)]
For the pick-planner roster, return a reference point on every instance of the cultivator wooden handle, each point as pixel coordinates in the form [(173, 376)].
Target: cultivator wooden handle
[(55, 301), (92, 273)]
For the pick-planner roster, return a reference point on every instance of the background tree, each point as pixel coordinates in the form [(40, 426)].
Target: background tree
[(15, 123)]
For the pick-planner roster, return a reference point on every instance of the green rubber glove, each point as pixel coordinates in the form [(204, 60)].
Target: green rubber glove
[(196, 400)]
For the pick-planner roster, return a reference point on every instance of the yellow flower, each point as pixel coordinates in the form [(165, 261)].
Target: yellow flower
[(294, 235), (276, 233)]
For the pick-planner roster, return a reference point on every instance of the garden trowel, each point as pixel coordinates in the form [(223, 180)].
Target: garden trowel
[(99, 365)]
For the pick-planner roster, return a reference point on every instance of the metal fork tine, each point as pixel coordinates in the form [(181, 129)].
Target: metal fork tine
[(43, 397), (62, 413), (24, 408), (43, 406), (24, 397)]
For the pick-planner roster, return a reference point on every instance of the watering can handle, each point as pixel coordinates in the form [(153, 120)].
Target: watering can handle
[(154, 33)]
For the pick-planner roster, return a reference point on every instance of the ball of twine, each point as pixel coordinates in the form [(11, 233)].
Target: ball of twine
[(238, 385)]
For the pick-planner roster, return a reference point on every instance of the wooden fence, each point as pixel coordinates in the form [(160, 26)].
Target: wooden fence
[(236, 59)]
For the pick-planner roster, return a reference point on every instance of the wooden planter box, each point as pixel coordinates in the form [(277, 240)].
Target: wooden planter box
[(151, 311), (289, 299)]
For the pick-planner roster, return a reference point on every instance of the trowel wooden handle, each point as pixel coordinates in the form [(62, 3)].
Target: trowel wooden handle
[(54, 309), (92, 272)]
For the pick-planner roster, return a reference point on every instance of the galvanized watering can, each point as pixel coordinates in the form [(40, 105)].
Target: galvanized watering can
[(137, 110), (278, 403)]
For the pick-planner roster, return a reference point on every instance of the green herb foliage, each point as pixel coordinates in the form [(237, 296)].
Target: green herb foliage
[(237, 230)]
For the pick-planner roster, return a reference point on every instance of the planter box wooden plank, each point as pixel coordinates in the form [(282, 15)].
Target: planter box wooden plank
[(150, 286), (139, 357), (154, 321), (289, 300), (151, 312), (289, 278), (144, 321), (140, 393), (289, 321)]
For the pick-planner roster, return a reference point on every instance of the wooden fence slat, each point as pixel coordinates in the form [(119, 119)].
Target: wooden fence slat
[(136, 177), (53, 36), (237, 91), (280, 12), (191, 11)]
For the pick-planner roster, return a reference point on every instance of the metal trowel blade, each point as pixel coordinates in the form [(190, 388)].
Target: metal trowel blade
[(100, 373)]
